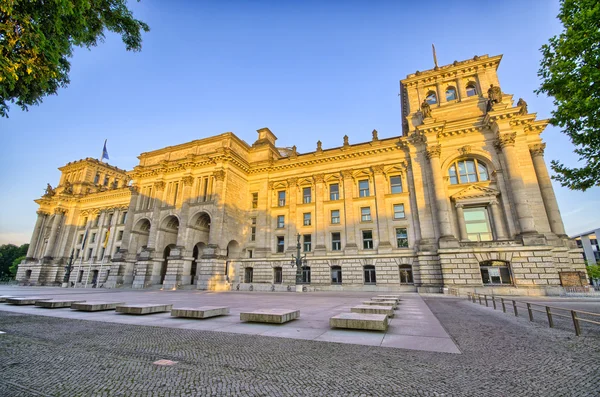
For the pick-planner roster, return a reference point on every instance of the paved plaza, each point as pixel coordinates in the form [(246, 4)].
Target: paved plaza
[(479, 351)]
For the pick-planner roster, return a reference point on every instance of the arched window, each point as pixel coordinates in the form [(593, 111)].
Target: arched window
[(471, 89), (495, 272), (97, 178), (467, 171), (336, 274), (370, 274), (451, 94), (431, 98), (406, 276)]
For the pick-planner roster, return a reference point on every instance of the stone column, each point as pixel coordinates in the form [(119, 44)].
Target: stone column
[(380, 210), (135, 195), (349, 222), (462, 227), (159, 188), (58, 216), (440, 93), (264, 224), (216, 226), (320, 218), (37, 231), (506, 141), (443, 217), (550, 203), (461, 90), (498, 221), (184, 215), (293, 216)]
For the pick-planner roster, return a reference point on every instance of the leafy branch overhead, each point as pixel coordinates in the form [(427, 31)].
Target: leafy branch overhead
[(570, 72), (37, 39)]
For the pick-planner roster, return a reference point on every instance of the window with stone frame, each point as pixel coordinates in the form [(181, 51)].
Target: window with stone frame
[(106, 180), (399, 211), (96, 221), (306, 219), (280, 244), (254, 200), (280, 221), (277, 275), (93, 240), (336, 241), (363, 188), (367, 238), (80, 238), (334, 191), (365, 214), (335, 216), (471, 89), (395, 184), (495, 272), (431, 97), (467, 171), (406, 274), (306, 275), (281, 198), (369, 272), (451, 94), (252, 229), (97, 178), (336, 274), (401, 237), (120, 235), (306, 242), (306, 195), (248, 274), (477, 224)]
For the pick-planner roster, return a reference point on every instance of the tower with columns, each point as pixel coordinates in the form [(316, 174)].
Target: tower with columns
[(460, 199)]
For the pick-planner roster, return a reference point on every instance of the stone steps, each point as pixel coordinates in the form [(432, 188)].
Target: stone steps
[(199, 312), (371, 322), (147, 308), (271, 316)]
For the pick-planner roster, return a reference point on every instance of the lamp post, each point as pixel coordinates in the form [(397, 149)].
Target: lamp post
[(65, 283), (298, 261)]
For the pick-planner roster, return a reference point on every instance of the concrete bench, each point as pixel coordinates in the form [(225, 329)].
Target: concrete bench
[(3, 298), (96, 306), (369, 309), (371, 322), (25, 300), (385, 298), (199, 312), (147, 308), (272, 316), (393, 304), (55, 304)]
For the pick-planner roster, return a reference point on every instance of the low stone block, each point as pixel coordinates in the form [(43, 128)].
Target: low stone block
[(382, 298), (25, 300), (372, 322), (56, 304), (392, 304), (272, 316), (199, 312), (145, 308), (390, 297), (3, 298), (96, 306), (370, 309)]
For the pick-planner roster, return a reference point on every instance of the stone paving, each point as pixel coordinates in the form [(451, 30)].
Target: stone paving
[(501, 356)]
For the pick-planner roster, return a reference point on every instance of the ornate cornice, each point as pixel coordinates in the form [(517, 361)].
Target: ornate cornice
[(292, 182), (377, 169), (348, 173), (319, 178)]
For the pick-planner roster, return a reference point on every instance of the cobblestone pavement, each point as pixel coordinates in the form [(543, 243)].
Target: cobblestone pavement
[(501, 356)]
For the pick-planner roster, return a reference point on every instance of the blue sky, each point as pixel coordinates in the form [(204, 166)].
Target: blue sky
[(309, 70)]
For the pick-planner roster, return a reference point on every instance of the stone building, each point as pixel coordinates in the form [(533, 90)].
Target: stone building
[(461, 199)]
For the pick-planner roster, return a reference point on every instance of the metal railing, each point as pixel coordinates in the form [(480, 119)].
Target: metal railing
[(576, 316)]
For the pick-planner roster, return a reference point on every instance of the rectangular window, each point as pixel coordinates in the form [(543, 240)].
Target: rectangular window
[(370, 277), (205, 189), (253, 230), (250, 253), (280, 221), (124, 217), (395, 184), (90, 252), (306, 195), (335, 216), (248, 274), (280, 244), (254, 200), (175, 193), (307, 241), (79, 239), (336, 275), (85, 221), (77, 253), (110, 218), (365, 214), (334, 191), (119, 235), (93, 238), (277, 275), (363, 188), (106, 180), (336, 242), (281, 198), (367, 237), (96, 221), (401, 237), (399, 211), (306, 275), (102, 252), (307, 219), (477, 224)]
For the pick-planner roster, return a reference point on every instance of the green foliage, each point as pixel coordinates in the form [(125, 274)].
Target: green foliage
[(15, 266), (570, 72), (593, 271), (37, 38), (9, 253)]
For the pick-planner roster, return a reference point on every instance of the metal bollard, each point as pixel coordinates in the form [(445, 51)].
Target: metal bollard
[(576, 322), (503, 306), (494, 302), (550, 322), (530, 311), (486, 302), (479, 296), (515, 308)]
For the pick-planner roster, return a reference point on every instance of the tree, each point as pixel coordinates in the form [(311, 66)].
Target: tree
[(37, 39), (570, 72), (593, 271), (15, 266), (8, 254)]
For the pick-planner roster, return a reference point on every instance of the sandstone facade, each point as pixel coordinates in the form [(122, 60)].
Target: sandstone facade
[(462, 199)]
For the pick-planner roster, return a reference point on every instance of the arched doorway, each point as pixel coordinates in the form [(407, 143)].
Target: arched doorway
[(165, 242), (139, 236), (197, 253), (165, 262)]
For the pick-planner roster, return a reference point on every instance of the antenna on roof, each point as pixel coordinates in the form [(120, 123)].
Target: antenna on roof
[(434, 56)]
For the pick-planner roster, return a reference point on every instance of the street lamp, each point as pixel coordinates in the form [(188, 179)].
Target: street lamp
[(299, 262), (68, 270)]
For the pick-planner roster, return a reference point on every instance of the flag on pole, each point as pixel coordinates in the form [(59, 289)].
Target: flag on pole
[(104, 152), (84, 239), (106, 237)]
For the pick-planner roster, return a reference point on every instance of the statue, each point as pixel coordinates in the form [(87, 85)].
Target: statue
[(375, 137), (494, 94), (68, 188), (294, 151), (346, 140), (523, 105), (319, 148), (425, 109), (49, 191)]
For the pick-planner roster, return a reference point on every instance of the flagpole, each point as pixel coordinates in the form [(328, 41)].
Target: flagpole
[(82, 253), (103, 150)]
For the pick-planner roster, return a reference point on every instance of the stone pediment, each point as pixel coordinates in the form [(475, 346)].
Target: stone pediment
[(475, 192)]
